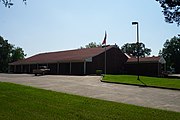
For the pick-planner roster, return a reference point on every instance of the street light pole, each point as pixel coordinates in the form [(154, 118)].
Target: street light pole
[(136, 23)]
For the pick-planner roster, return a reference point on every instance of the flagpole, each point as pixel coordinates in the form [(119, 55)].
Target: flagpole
[(104, 43), (105, 61)]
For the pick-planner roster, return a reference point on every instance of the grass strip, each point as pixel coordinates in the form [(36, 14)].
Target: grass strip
[(149, 81), (20, 102)]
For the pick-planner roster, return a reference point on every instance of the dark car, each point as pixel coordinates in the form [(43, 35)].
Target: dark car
[(42, 70)]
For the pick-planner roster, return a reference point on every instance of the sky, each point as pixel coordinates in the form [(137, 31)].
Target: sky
[(57, 25)]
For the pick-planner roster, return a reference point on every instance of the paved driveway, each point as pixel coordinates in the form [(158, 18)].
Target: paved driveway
[(91, 86)]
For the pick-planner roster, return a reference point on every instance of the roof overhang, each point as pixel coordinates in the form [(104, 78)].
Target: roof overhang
[(51, 62), (88, 59), (162, 60)]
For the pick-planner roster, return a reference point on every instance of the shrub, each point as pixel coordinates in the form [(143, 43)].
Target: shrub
[(98, 72)]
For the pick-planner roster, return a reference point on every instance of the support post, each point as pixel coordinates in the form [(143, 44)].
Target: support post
[(84, 67), (57, 68), (29, 68), (9, 67), (70, 68), (14, 68), (21, 68)]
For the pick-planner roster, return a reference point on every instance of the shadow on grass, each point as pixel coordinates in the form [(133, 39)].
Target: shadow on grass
[(144, 85)]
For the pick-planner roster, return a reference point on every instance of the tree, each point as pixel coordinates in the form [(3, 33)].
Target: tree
[(171, 53), (171, 10), (92, 45), (9, 3), (131, 49), (5, 50), (9, 53), (17, 54)]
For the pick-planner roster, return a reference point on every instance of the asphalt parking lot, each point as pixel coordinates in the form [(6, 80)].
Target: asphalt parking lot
[(90, 86)]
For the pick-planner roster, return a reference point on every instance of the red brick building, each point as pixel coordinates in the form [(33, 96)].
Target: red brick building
[(74, 62), (148, 66), (88, 60)]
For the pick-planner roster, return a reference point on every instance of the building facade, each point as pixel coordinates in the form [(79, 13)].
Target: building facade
[(86, 61), (148, 66), (74, 62)]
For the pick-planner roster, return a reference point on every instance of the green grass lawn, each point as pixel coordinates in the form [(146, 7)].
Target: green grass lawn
[(150, 81), (19, 102)]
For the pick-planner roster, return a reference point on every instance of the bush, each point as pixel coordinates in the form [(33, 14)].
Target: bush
[(98, 72)]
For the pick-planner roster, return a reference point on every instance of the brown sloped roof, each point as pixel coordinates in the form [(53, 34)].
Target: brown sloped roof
[(144, 59), (63, 56)]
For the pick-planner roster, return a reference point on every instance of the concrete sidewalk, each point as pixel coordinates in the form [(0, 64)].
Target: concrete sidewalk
[(90, 86)]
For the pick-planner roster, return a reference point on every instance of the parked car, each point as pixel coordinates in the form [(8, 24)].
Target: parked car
[(42, 70)]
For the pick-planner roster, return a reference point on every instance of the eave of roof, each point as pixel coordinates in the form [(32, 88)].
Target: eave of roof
[(145, 60)]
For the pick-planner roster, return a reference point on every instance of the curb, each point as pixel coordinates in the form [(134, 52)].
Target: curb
[(150, 86)]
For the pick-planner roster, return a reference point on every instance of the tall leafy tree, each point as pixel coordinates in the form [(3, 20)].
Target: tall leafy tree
[(92, 45), (17, 54), (9, 53), (131, 49), (5, 50), (171, 53), (171, 10)]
